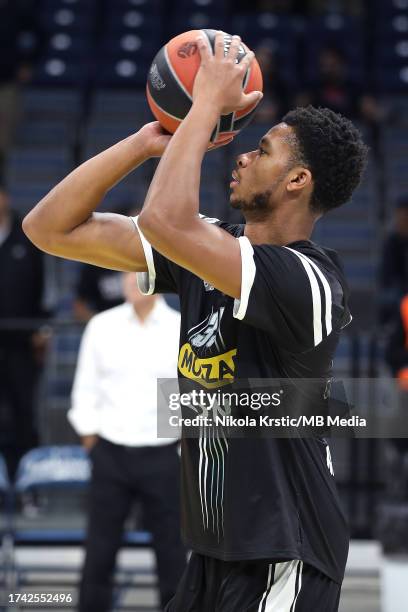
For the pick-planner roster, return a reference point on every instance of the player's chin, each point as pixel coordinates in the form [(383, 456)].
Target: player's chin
[(235, 202)]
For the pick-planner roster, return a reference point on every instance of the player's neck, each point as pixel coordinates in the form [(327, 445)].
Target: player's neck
[(280, 228)]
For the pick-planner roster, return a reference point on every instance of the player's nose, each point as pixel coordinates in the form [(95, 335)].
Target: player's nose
[(244, 159)]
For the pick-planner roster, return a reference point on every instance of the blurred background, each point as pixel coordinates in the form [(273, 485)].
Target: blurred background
[(72, 82)]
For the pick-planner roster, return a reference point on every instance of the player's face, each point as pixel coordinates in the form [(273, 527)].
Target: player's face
[(259, 178)]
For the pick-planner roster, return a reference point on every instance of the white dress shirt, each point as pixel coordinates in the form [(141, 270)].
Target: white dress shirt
[(115, 387)]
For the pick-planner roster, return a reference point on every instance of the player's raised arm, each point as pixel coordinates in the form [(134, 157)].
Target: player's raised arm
[(64, 223), (169, 219)]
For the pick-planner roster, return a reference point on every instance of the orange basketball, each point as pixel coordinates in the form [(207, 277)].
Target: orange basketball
[(171, 79)]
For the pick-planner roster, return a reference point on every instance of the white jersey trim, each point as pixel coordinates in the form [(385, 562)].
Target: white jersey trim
[(146, 280), (313, 272), (248, 270), (326, 288)]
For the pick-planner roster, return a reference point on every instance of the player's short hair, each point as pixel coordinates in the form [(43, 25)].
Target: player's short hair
[(332, 148)]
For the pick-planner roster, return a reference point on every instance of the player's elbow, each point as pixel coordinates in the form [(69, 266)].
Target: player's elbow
[(32, 229), (151, 224), (38, 230)]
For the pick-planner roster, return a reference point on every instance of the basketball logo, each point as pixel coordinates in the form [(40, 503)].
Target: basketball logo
[(187, 50)]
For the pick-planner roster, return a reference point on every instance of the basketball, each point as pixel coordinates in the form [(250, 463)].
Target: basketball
[(171, 79)]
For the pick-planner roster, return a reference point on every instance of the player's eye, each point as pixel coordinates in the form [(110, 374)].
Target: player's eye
[(261, 151)]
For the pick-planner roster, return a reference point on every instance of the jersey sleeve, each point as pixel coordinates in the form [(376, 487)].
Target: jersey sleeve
[(162, 276), (286, 294)]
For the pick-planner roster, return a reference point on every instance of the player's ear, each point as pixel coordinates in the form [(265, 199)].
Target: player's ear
[(299, 179)]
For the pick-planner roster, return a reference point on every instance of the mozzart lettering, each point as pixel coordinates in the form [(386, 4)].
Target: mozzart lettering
[(209, 371)]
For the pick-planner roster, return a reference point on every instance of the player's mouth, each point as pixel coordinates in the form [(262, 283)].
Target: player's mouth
[(235, 179)]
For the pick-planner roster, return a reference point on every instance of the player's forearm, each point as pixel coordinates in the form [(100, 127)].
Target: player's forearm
[(174, 191), (77, 196)]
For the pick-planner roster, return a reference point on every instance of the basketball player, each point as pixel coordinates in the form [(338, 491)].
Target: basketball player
[(258, 300)]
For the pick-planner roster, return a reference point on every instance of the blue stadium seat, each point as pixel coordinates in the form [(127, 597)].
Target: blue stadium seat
[(346, 236), (45, 133), (34, 164), (333, 30), (196, 20), (131, 20), (387, 8), (392, 27), (147, 7), (253, 27), (361, 272), (124, 72), (48, 103), (129, 44), (59, 475), (395, 142), (54, 71), (103, 134), (25, 196), (211, 6), (73, 5), (68, 19), (66, 45), (123, 196), (121, 106)]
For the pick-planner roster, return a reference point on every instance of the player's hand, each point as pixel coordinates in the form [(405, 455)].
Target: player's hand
[(155, 139), (219, 79)]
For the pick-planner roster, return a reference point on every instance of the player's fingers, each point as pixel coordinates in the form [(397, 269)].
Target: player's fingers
[(247, 60), (203, 47), (219, 44), (234, 47), (254, 97)]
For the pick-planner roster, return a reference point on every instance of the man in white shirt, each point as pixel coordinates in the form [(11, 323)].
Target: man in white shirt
[(114, 410)]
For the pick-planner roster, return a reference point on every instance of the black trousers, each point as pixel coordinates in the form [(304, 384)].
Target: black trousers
[(210, 584), (19, 376), (119, 476)]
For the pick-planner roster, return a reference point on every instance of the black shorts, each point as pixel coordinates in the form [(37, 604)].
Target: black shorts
[(211, 585)]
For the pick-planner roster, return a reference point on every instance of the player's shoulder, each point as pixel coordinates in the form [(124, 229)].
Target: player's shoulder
[(324, 271), (325, 259)]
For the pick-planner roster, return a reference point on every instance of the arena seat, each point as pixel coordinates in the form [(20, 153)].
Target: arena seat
[(121, 72), (76, 17), (395, 145), (54, 71), (48, 104), (337, 31), (57, 477), (25, 196), (124, 108), (35, 165)]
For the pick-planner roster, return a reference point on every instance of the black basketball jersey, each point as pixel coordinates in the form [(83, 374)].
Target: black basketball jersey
[(253, 498)]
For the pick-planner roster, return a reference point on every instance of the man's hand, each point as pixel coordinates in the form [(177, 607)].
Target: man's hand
[(219, 79), (88, 442), (156, 139)]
